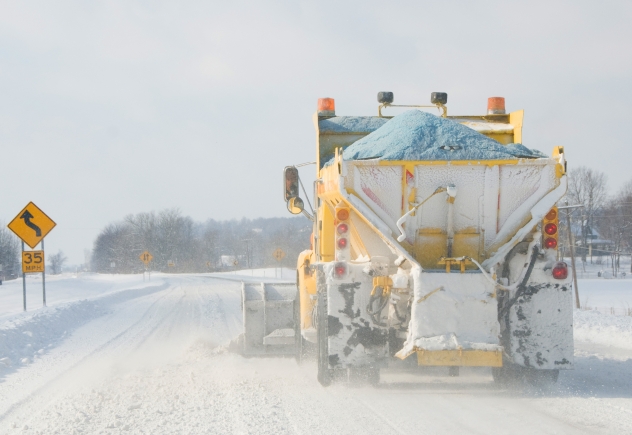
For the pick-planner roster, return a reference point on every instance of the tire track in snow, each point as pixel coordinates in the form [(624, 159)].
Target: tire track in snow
[(199, 389), (47, 385)]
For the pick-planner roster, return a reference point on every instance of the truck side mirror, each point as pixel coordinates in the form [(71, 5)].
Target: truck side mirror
[(295, 205), (290, 183)]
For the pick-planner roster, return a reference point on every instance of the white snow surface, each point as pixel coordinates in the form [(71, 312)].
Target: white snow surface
[(123, 356), (603, 329)]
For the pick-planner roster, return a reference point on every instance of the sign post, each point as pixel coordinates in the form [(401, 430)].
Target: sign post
[(279, 255), (146, 258), (31, 225), (23, 281), (44, 276)]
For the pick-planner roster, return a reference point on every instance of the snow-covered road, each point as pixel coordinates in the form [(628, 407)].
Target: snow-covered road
[(152, 360)]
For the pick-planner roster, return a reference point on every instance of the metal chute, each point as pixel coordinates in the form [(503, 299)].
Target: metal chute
[(270, 319)]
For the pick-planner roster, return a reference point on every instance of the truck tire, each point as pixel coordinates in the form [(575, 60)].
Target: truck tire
[(511, 374), (322, 349), (373, 376), (363, 375), (298, 338), (501, 375), (541, 378)]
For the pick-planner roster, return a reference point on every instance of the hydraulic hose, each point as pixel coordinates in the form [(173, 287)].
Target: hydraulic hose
[(382, 302), (526, 273), (522, 287)]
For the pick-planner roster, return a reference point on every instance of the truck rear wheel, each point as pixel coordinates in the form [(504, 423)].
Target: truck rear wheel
[(363, 375), (373, 376), (501, 375), (298, 338), (541, 378), (514, 374), (322, 349)]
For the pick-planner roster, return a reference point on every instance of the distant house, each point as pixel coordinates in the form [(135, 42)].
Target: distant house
[(594, 241), (230, 260)]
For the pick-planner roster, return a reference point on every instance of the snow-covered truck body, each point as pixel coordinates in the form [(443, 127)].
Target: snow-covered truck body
[(435, 237)]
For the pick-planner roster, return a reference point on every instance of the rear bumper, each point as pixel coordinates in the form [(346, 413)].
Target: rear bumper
[(461, 358)]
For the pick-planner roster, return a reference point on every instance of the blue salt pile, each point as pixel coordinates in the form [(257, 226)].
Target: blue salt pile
[(351, 124), (416, 135)]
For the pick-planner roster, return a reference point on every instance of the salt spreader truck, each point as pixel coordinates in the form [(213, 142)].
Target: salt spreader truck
[(435, 239)]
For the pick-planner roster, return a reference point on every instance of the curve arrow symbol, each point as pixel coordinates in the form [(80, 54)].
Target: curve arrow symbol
[(27, 216)]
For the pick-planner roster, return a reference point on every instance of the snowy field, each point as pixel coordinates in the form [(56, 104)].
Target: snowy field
[(115, 354)]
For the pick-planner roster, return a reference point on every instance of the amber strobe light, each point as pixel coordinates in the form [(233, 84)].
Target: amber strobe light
[(342, 214), (326, 107), (496, 106), (550, 229)]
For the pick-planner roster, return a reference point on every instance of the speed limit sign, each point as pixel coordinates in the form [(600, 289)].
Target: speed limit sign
[(32, 261)]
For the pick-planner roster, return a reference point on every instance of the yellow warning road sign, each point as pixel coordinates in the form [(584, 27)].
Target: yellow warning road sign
[(279, 254), (32, 261), (31, 225), (146, 257)]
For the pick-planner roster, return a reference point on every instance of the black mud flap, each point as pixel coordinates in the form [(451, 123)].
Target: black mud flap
[(354, 340), (538, 327)]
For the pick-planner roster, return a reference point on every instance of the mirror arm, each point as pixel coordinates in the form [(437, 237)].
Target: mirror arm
[(307, 215), (306, 196)]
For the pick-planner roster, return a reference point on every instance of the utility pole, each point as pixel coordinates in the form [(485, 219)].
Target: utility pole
[(572, 246)]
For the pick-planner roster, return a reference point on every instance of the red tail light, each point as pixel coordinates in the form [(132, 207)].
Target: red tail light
[(550, 243), (560, 270), (342, 243), (550, 229), (340, 269), (342, 228)]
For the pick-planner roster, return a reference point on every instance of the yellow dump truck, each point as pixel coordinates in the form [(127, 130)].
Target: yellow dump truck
[(435, 238)]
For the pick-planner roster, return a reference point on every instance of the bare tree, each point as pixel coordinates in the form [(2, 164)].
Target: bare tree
[(588, 188), (168, 235), (9, 253), (615, 224), (57, 262)]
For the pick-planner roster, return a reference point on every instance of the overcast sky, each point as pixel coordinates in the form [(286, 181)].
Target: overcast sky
[(111, 108)]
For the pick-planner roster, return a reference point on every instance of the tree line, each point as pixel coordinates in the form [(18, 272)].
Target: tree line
[(9, 253), (602, 229), (10, 260), (179, 244), (602, 226)]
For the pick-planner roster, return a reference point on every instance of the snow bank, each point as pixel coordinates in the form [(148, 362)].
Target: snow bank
[(24, 339), (603, 329), (270, 274), (64, 288), (605, 293), (416, 135), (26, 336)]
